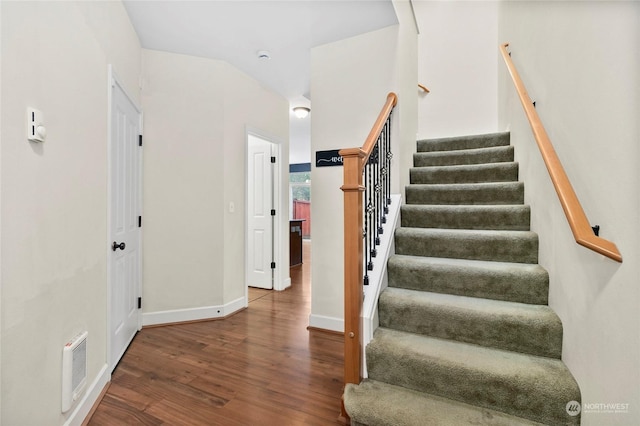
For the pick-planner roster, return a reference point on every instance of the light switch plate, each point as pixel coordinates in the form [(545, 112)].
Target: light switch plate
[(36, 132)]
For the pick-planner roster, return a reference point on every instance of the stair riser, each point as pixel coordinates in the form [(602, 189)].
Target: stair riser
[(512, 193), (538, 392), (502, 172), (535, 330), (495, 247), (513, 218), (452, 158), (465, 142), (529, 286)]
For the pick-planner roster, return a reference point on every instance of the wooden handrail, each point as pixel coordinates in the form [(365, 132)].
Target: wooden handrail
[(354, 160), (582, 231), (424, 88), (370, 142)]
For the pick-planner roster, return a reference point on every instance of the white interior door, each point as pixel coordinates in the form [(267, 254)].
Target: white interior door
[(125, 231), (260, 220)]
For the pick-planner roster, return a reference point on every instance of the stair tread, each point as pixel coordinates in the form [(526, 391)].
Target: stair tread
[(478, 232), (530, 386), (376, 403), (511, 310), (485, 193), (521, 327), (458, 167), (471, 185), (520, 282), (466, 173), (463, 142), (480, 244), (466, 207), (491, 267), (495, 154), (469, 356), (463, 216)]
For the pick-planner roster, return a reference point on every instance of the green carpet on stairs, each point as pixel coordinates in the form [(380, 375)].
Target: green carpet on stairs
[(466, 336)]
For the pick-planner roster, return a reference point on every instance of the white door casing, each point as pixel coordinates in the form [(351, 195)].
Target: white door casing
[(124, 243), (259, 206)]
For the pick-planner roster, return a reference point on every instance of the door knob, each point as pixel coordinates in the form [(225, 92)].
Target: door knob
[(115, 246)]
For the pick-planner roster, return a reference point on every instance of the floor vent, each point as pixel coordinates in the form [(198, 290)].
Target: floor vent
[(74, 370)]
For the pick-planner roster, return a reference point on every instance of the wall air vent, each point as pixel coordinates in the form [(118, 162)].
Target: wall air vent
[(74, 370)]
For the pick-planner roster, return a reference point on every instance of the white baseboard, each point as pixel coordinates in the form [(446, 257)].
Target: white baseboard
[(235, 305), (193, 314), (90, 397), (286, 284), (326, 323)]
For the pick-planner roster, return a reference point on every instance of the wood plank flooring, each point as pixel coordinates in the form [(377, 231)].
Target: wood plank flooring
[(258, 367)]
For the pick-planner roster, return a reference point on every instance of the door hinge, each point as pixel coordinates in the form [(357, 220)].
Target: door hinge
[(273, 212), (139, 302), (273, 159), (139, 140), (273, 265), (139, 221)]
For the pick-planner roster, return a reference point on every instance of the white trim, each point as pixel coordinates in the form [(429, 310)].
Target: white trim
[(378, 279), (90, 397), (281, 279), (193, 314), (326, 323), (286, 283), (112, 81)]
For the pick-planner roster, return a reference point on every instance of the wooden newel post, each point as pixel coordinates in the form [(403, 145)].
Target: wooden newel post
[(353, 161)]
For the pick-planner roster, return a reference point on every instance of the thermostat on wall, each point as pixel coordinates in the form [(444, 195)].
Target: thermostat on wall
[(35, 126)]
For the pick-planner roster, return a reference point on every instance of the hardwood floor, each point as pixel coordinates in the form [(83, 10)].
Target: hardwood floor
[(258, 367)]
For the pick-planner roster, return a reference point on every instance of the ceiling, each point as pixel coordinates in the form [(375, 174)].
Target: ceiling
[(234, 31)]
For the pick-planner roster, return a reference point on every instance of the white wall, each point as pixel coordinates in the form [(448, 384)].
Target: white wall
[(183, 182), (583, 70), (406, 76), (197, 112), (458, 62), (249, 106), (54, 195), (350, 80), (0, 213)]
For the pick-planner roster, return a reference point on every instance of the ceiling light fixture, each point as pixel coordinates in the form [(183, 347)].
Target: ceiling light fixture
[(301, 112)]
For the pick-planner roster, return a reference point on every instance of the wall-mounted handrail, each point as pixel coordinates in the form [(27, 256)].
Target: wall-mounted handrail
[(424, 88), (366, 184), (582, 230)]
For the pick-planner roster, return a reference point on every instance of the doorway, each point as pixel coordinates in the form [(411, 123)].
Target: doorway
[(262, 211), (124, 260)]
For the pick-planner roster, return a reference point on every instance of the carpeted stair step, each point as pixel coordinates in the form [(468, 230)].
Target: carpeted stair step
[(375, 403), (530, 329), (515, 282), (500, 246), (496, 193), (497, 154), (502, 217), (472, 173), (528, 386), (464, 142)]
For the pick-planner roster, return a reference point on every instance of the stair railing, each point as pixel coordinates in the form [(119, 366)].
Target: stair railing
[(367, 195), (583, 232)]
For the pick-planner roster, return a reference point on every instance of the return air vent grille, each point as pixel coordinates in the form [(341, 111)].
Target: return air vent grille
[(74, 370)]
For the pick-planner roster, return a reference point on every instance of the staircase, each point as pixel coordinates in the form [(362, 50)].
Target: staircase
[(465, 336)]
